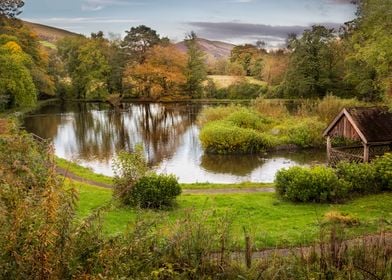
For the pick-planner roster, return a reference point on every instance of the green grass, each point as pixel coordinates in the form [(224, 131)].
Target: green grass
[(244, 185), (83, 172), (272, 222)]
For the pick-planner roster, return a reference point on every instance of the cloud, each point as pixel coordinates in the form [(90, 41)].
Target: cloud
[(247, 32), (233, 30), (97, 5), (343, 2), (241, 1), (80, 20)]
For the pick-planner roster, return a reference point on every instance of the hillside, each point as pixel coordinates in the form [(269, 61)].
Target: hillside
[(49, 33), (213, 49)]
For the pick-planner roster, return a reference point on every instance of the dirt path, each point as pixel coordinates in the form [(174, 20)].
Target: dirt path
[(383, 240), (77, 178)]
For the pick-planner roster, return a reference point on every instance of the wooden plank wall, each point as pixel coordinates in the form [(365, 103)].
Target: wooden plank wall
[(344, 128)]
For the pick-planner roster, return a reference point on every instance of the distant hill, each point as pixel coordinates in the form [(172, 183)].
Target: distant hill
[(213, 49), (48, 33)]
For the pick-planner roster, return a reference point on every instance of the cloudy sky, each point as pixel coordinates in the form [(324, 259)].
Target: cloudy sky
[(235, 21)]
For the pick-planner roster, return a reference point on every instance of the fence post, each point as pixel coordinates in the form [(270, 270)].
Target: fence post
[(248, 250)]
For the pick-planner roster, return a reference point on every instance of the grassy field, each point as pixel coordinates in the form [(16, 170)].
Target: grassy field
[(223, 81), (270, 221)]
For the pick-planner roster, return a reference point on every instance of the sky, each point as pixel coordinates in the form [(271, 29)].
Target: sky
[(233, 21)]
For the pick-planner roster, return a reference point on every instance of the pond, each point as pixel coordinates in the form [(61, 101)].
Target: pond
[(92, 133)]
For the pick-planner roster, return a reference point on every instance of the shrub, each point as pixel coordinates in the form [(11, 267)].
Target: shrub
[(361, 177), (245, 118), (211, 114), (383, 167), (306, 133), (128, 169), (316, 184), (303, 132), (223, 138), (155, 191)]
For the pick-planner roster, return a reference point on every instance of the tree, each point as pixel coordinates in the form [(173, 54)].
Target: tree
[(30, 45), (313, 67), (250, 58), (91, 75), (17, 88), (95, 65), (138, 41), (196, 70), (275, 67), (161, 74), (11, 8), (369, 52)]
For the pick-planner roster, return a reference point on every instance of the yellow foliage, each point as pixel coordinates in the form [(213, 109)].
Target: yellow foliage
[(13, 47), (161, 74)]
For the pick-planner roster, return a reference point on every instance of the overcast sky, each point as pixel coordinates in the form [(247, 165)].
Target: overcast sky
[(235, 21)]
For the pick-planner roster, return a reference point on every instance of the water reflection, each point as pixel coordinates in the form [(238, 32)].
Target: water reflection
[(92, 134)]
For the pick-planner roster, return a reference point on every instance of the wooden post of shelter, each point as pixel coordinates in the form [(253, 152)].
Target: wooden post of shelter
[(366, 153), (329, 147)]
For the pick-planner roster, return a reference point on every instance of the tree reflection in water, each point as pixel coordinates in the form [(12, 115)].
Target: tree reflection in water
[(94, 131)]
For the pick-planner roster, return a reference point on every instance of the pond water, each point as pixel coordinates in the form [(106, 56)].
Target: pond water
[(92, 133)]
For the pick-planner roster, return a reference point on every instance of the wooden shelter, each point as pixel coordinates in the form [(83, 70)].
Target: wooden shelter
[(359, 134)]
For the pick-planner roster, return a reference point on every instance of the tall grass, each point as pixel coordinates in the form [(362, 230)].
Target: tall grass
[(211, 114), (270, 107), (327, 108)]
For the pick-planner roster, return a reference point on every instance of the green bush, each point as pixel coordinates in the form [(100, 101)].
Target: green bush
[(316, 184), (306, 133), (245, 118), (383, 166), (361, 177), (155, 191), (302, 132), (221, 137)]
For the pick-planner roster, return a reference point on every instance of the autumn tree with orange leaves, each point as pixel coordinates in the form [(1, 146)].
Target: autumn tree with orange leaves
[(161, 74)]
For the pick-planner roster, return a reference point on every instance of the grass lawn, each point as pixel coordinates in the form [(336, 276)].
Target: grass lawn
[(271, 222)]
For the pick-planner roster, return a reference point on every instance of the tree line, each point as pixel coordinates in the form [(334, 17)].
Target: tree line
[(354, 61)]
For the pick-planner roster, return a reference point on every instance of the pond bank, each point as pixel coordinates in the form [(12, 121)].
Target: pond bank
[(84, 175)]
